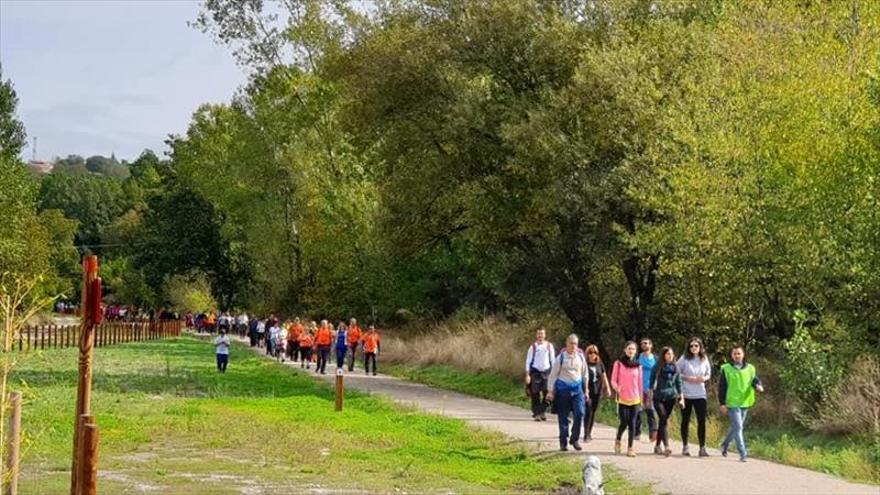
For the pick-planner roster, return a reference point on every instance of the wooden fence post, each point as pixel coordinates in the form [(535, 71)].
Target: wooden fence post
[(10, 478)]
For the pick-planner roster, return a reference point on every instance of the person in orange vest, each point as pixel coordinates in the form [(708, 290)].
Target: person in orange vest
[(354, 339), (323, 340), (305, 349), (371, 349), (313, 330), (294, 331), (210, 320)]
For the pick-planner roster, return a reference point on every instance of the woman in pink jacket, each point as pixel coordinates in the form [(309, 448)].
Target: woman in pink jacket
[(626, 380)]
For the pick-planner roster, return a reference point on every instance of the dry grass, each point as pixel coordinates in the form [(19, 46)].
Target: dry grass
[(856, 404), (475, 346)]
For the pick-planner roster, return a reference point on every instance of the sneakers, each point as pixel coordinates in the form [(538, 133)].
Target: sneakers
[(536, 417), (667, 452), (631, 452), (658, 450), (703, 452), (577, 446), (588, 438), (374, 373), (653, 436), (563, 447), (543, 417), (723, 450), (742, 458), (685, 452), (617, 447)]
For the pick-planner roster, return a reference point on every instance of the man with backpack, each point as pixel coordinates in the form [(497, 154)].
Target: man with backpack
[(539, 360)]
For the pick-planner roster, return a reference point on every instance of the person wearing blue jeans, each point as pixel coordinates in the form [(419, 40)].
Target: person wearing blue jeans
[(567, 377), (736, 392), (341, 344), (648, 361)]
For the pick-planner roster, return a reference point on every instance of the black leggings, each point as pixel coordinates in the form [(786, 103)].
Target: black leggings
[(664, 410), (628, 416), (700, 406), (369, 356), (323, 356), (590, 414)]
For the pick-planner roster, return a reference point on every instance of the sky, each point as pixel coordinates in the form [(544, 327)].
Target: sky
[(110, 76)]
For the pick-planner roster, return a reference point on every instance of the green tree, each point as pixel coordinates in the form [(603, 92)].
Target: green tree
[(95, 202), (12, 133)]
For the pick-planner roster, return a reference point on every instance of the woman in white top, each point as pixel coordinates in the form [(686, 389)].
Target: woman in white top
[(567, 378), (695, 370)]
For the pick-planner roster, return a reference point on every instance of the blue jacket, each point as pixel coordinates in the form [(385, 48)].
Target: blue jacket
[(342, 339)]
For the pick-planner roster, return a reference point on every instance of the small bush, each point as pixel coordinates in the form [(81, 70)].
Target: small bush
[(811, 369), (856, 403)]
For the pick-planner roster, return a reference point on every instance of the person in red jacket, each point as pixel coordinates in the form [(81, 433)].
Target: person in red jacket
[(354, 340), (371, 349)]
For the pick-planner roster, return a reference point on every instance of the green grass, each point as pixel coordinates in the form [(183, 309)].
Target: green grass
[(170, 424), (856, 459)]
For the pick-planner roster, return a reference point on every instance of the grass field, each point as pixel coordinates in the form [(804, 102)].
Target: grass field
[(857, 459), (170, 424)]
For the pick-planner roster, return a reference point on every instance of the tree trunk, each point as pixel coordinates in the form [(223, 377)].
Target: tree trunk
[(580, 308), (641, 277)]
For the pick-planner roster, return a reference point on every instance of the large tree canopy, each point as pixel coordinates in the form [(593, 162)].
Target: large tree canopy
[(640, 167)]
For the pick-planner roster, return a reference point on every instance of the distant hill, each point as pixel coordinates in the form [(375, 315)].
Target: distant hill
[(97, 165)]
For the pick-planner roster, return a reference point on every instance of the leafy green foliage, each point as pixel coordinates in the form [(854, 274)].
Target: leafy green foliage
[(812, 370), (95, 202), (24, 249), (190, 293), (12, 134)]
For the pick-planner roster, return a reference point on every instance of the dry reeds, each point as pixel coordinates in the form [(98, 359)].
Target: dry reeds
[(855, 407), (476, 346)]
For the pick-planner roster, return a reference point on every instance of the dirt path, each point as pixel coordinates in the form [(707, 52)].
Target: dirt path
[(676, 475)]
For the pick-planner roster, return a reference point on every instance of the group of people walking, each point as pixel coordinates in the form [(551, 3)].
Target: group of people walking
[(307, 343), (211, 321), (572, 383)]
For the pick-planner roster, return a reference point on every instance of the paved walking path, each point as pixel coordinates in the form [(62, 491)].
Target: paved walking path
[(676, 475)]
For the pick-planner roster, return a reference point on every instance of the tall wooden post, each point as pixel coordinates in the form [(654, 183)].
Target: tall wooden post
[(12, 446), (86, 347), (340, 389), (87, 480)]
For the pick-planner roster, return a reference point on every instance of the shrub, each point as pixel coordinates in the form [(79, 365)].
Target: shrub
[(811, 369)]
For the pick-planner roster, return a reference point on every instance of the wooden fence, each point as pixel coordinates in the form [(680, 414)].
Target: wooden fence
[(40, 337)]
